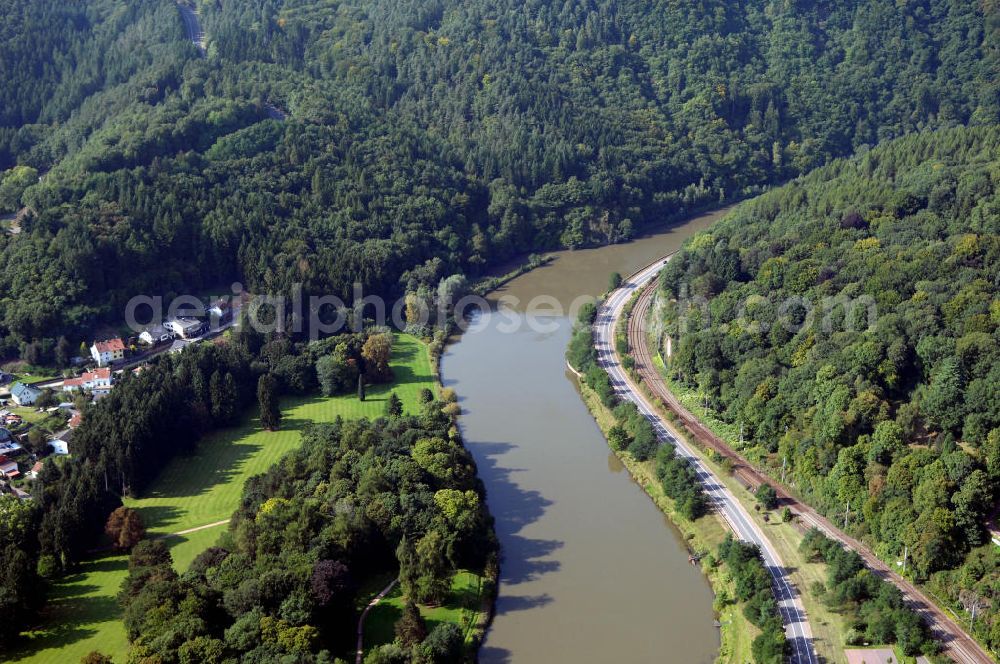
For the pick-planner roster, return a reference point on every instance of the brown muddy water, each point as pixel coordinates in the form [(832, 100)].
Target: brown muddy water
[(591, 569)]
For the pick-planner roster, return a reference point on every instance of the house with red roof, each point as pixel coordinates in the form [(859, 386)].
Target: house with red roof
[(108, 351), (8, 467), (99, 379)]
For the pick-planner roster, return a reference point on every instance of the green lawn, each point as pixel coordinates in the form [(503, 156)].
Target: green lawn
[(461, 608), (29, 414), (205, 487), (197, 490)]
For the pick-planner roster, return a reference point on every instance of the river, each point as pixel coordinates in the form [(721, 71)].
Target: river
[(591, 569)]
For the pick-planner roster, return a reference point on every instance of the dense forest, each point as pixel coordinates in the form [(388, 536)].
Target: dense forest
[(394, 144), (358, 499), (848, 325)]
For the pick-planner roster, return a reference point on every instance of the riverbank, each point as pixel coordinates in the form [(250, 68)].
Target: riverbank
[(702, 538), (557, 496), (488, 284), (190, 501)]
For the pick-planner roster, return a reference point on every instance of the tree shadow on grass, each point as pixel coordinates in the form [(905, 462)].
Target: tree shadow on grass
[(217, 461), (74, 603), (381, 621), (156, 517)]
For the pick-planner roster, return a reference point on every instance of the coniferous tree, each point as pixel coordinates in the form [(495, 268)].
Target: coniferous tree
[(267, 400), (394, 406), (410, 628)]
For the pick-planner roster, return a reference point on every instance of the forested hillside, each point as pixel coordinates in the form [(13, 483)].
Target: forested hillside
[(849, 325), (424, 138)]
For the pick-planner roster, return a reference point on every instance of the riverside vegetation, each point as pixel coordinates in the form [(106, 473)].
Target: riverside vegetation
[(891, 415), (670, 480), (422, 140), (138, 166)]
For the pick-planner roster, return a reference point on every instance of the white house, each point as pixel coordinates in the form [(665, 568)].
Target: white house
[(24, 395), (106, 352), (7, 443), (156, 334), (59, 446), (100, 379), (185, 328), (179, 346)]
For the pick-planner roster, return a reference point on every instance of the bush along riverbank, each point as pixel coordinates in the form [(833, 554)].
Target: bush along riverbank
[(635, 446)]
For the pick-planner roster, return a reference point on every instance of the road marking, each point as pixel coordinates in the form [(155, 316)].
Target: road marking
[(792, 611)]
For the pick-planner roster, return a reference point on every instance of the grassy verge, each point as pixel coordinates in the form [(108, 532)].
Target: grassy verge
[(194, 491), (702, 535), (829, 626), (463, 608)]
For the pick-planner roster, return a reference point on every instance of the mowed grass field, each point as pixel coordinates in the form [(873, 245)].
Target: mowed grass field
[(197, 490), (461, 608)]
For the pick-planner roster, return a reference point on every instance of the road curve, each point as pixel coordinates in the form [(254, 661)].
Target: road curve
[(958, 645), (793, 614)]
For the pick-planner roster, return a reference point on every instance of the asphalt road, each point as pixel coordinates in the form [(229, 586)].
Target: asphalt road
[(192, 26), (793, 613)]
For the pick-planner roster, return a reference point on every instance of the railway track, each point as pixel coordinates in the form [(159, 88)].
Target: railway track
[(957, 644), (798, 631)]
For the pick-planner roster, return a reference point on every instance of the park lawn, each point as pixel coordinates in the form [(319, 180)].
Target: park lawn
[(462, 608), (200, 489), (205, 486), (84, 610)]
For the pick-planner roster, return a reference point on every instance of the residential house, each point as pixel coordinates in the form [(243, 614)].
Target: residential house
[(156, 334), (75, 420), (9, 419), (106, 352), (92, 381), (35, 470), (8, 444), (179, 345), (220, 313), (59, 446), (8, 468), (24, 395), (186, 328)]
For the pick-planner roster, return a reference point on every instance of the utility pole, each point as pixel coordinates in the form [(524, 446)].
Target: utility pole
[(972, 602), (741, 434), (784, 464), (906, 551), (847, 514)]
